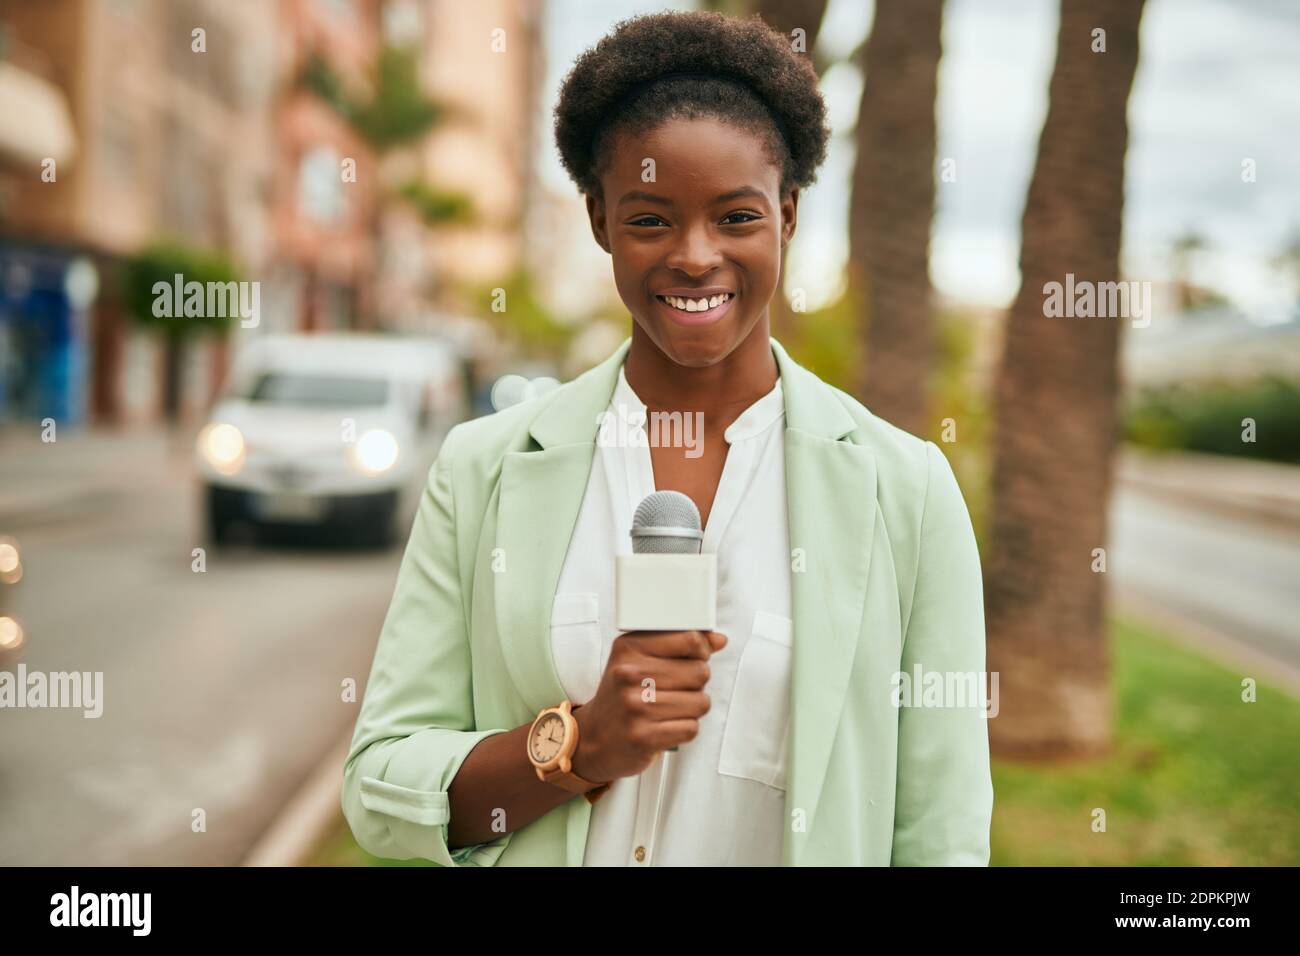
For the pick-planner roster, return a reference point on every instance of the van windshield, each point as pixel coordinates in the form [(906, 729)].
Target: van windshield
[(319, 390)]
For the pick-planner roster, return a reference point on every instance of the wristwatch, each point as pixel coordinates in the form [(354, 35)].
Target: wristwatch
[(552, 741)]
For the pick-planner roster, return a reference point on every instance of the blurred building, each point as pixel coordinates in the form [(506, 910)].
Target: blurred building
[(170, 141), (483, 65), (323, 201), (43, 332), (212, 123), (1215, 345)]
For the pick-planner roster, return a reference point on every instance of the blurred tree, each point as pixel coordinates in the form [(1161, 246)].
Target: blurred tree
[(891, 208), (164, 314), (437, 207), (825, 342), (732, 8), (396, 113), (1207, 417), (788, 16), (1185, 247), (1055, 406), (1189, 294), (393, 120), (521, 316)]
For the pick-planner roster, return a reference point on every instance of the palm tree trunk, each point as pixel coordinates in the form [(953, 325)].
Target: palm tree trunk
[(785, 16), (891, 208), (1056, 407)]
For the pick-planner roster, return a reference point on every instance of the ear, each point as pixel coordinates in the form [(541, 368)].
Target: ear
[(789, 215), (596, 215)]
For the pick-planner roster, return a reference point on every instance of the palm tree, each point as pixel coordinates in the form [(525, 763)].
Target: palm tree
[(1056, 407), (786, 16), (891, 207)]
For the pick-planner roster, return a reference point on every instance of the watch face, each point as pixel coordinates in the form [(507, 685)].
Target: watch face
[(547, 738)]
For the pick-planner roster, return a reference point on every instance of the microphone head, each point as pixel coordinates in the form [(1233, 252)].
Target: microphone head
[(666, 522)]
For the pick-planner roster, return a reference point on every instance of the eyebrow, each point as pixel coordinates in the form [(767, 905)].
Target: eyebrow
[(743, 191)]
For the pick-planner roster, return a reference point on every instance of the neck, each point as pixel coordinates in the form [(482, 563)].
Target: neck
[(721, 391)]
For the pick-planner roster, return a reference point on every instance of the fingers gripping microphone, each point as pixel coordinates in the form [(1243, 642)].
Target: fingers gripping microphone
[(666, 583)]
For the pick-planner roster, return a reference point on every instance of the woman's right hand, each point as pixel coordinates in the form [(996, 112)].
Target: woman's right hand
[(651, 697)]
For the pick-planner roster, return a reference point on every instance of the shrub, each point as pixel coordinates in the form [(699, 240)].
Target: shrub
[(1209, 418)]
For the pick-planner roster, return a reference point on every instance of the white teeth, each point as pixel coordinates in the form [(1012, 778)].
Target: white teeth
[(696, 305)]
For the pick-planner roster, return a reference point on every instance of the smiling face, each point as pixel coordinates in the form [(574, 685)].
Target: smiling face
[(697, 252)]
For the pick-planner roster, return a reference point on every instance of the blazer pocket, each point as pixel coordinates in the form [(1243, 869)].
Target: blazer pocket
[(755, 737), (576, 643)]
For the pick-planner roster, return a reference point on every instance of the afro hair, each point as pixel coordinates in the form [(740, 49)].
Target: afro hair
[(690, 64)]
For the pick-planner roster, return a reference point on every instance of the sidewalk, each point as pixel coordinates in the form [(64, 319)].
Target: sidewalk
[(1242, 487)]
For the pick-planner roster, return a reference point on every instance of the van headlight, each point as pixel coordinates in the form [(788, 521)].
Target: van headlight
[(375, 452), (223, 447)]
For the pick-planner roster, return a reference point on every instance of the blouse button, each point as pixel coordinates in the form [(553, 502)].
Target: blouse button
[(640, 854)]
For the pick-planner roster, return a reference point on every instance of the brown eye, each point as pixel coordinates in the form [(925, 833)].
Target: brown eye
[(750, 217), (647, 221)]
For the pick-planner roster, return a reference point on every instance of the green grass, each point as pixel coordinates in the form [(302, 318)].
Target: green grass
[(1195, 776)]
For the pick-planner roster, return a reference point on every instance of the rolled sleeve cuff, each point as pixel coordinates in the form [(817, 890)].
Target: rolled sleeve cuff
[(412, 797)]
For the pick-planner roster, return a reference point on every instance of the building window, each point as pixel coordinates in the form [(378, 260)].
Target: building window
[(117, 140), (320, 185)]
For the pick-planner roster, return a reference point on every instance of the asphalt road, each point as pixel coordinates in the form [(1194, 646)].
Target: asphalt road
[(221, 689), (1237, 576)]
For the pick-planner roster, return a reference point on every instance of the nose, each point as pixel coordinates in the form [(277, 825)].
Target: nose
[(696, 254)]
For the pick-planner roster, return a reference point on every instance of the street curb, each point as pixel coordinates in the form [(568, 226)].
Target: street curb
[(307, 818), (1248, 509)]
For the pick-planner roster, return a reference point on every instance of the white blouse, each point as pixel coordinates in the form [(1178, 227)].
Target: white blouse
[(721, 800)]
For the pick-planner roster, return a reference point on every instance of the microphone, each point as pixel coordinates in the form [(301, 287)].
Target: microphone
[(666, 522), (666, 583)]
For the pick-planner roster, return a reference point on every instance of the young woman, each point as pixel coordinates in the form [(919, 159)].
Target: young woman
[(506, 720)]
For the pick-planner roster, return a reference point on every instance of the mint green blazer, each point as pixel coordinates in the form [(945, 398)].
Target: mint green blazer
[(885, 578)]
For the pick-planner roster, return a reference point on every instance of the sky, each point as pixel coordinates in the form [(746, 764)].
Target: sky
[(1218, 82)]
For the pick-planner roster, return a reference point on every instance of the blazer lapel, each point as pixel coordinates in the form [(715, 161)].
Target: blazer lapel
[(541, 492), (831, 503)]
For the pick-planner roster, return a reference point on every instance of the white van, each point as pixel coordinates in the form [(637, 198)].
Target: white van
[(334, 429)]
